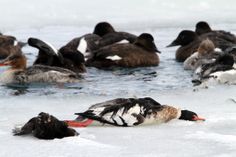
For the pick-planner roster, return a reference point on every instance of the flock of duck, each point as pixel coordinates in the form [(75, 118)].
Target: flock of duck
[(209, 53)]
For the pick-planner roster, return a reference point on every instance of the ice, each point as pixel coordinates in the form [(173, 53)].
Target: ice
[(60, 21)]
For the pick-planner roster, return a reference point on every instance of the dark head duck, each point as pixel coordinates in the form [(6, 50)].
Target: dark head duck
[(202, 27), (188, 42), (146, 41), (189, 115), (184, 38), (103, 28)]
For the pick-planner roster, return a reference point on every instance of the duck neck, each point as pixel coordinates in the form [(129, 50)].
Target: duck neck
[(20, 65)]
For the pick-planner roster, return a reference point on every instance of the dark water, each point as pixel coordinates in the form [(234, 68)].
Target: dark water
[(169, 75)]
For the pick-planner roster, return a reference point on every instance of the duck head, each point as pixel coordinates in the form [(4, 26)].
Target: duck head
[(146, 41), (15, 61), (225, 59), (184, 38), (189, 115), (202, 27), (6, 40), (103, 28), (206, 47)]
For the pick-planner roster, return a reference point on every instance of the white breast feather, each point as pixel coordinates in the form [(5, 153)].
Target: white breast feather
[(114, 58), (15, 42), (124, 41), (82, 47), (217, 49)]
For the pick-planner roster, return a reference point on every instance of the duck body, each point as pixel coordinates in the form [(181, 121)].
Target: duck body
[(127, 112), (202, 27), (40, 74), (141, 53), (122, 55), (45, 126), (131, 112), (103, 35)]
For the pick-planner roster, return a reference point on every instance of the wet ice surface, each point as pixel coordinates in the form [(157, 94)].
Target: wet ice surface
[(167, 83)]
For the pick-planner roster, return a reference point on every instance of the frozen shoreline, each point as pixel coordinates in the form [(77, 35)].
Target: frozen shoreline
[(214, 137)]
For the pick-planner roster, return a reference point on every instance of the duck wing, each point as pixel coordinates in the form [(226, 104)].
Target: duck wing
[(121, 111), (115, 37)]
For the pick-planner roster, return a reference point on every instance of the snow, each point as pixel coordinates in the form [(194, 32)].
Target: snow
[(60, 21)]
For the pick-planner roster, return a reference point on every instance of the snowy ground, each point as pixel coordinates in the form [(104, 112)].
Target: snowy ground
[(168, 83)]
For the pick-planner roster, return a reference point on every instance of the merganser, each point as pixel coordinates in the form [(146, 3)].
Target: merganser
[(206, 53), (50, 56), (131, 112), (141, 53), (45, 126), (18, 73)]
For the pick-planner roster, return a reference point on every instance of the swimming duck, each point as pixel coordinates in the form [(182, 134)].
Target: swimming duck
[(206, 53), (104, 34), (223, 63), (18, 73), (128, 112), (203, 27), (189, 43), (50, 56), (141, 53), (45, 126)]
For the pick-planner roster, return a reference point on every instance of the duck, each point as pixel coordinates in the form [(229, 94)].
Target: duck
[(50, 56), (206, 53), (222, 64), (20, 74), (6, 45), (189, 42), (141, 53), (129, 112), (202, 27), (104, 34), (45, 126)]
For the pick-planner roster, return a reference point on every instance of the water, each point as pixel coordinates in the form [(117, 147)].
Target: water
[(168, 76)]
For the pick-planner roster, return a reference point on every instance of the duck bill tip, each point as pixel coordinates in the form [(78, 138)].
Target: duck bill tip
[(2, 64), (174, 43), (196, 118)]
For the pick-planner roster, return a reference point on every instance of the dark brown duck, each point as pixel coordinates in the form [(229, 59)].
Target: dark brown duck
[(141, 53)]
